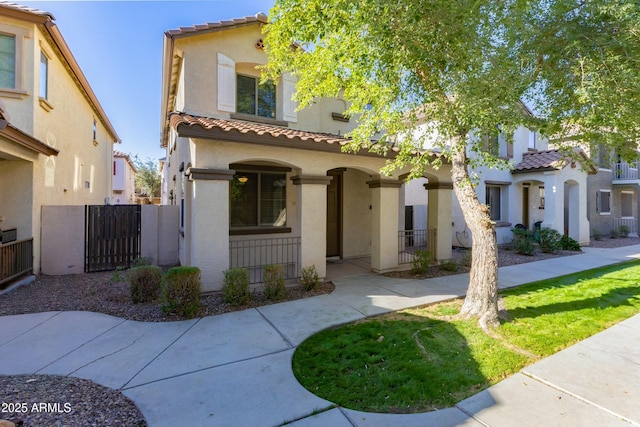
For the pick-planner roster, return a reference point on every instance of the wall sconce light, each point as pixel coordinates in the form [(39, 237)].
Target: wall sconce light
[(243, 179)]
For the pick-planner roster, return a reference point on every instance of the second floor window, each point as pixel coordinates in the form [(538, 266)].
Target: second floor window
[(7, 61), (44, 75), (255, 98)]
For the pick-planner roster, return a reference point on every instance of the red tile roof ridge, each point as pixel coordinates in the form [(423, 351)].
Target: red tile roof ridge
[(258, 18)]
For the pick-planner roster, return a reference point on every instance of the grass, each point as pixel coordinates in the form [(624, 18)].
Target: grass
[(426, 358)]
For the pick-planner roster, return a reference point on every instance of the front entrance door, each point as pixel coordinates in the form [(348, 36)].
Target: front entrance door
[(334, 213), (525, 206)]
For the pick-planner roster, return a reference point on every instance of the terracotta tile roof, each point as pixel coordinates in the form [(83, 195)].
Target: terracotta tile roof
[(547, 160), (259, 17), (235, 127), (27, 9), (117, 153)]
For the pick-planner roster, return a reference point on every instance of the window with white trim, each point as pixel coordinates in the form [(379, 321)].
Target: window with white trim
[(626, 204), (7, 61), (255, 98), (44, 75), (494, 201)]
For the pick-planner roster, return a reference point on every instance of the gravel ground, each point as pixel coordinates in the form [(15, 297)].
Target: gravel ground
[(90, 404)]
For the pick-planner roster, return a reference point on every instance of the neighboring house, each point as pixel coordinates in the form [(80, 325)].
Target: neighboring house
[(613, 194), (56, 141), (544, 189), (124, 177), (260, 183)]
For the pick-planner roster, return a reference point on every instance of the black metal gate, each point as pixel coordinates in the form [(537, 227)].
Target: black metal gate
[(112, 236)]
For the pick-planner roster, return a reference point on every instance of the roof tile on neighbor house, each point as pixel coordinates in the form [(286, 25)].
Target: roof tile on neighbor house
[(27, 9), (547, 160), (234, 127), (259, 17)]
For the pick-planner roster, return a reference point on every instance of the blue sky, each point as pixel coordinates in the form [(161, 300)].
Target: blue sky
[(118, 45)]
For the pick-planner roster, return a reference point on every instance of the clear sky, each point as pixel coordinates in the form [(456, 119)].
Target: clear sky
[(118, 45)]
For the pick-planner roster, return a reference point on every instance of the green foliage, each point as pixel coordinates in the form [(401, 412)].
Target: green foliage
[(550, 240), (597, 234), (273, 281), (624, 230), (615, 233), (117, 276), (523, 241), (309, 278), (449, 265), (145, 283), (139, 262), (148, 178), (569, 244), (181, 291), (421, 261), (235, 290)]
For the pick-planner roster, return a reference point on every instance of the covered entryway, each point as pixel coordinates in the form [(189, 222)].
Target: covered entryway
[(334, 213)]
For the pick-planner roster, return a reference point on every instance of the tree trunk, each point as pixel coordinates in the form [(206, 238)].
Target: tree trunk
[(482, 294)]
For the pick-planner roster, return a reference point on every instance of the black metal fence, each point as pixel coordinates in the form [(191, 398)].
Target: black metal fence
[(411, 240), (16, 259), (256, 254), (112, 236)]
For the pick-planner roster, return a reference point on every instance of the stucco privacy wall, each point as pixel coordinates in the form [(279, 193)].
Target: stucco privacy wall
[(63, 227)]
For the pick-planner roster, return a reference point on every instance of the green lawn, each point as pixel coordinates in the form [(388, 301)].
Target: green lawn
[(422, 359)]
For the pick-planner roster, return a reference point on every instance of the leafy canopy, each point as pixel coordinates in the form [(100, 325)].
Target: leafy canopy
[(148, 178)]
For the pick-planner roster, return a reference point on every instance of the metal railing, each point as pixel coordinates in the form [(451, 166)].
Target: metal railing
[(16, 259), (411, 240), (631, 223), (256, 254), (625, 171)]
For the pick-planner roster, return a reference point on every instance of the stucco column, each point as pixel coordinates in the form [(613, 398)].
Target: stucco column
[(385, 196), (439, 216), (208, 233), (553, 202), (311, 209)]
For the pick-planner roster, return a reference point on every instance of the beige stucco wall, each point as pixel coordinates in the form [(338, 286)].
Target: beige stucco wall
[(357, 209), (62, 240)]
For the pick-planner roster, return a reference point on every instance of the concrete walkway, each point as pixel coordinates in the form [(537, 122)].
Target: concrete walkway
[(235, 369)]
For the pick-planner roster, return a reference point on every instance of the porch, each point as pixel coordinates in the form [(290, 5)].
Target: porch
[(16, 260)]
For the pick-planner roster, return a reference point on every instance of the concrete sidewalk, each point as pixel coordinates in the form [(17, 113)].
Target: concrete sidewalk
[(235, 369)]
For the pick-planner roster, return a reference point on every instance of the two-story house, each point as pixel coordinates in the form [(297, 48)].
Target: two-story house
[(544, 189), (259, 182), (124, 176), (56, 141)]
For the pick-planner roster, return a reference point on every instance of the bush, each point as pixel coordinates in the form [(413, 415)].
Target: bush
[(615, 233), (550, 240), (309, 278), (235, 290), (181, 291), (145, 283), (597, 234), (449, 265), (624, 230), (522, 242), (273, 279), (139, 262), (569, 244), (421, 261)]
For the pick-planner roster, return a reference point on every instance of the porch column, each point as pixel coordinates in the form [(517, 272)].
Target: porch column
[(439, 217), (311, 207), (385, 196), (207, 234), (553, 202)]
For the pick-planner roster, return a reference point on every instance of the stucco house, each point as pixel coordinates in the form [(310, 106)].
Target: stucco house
[(258, 182), (124, 176), (545, 188), (56, 141)]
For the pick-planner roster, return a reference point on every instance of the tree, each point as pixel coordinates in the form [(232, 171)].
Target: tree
[(148, 178), (461, 68)]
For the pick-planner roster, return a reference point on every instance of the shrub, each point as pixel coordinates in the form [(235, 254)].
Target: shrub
[(421, 261), (615, 233), (273, 279), (181, 291), (522, 242), (597, 234), (145, 283), (449, 265), (569, 244), (117, 276), (550, 240), (139, 262), (624, 230), (235, 290), (309, 278)]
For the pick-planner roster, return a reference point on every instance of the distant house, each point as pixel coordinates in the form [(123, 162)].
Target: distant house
[(124, 177), (259, 182), (56, 141)]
